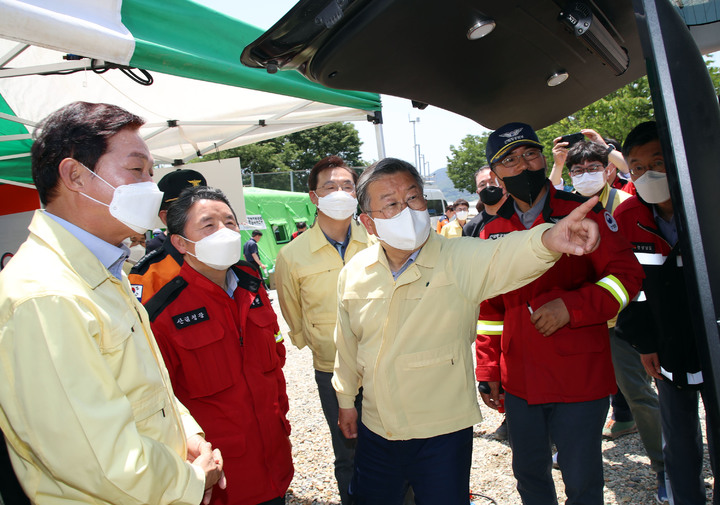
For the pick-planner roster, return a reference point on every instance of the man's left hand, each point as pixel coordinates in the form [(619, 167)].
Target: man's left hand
[(574, 234), (550, 317), (347, 421)]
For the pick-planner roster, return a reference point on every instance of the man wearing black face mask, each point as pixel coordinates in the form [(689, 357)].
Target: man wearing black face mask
[(547, 342), (491, 196)]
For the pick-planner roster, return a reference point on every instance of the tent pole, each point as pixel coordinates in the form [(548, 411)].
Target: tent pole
[(380, 140)]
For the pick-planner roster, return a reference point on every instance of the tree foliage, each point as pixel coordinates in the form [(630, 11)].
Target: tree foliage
[(466, 159), (297, 151), (612, 116)]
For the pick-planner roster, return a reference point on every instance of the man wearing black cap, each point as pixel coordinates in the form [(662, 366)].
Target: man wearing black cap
[(160, 266), (547, 342)]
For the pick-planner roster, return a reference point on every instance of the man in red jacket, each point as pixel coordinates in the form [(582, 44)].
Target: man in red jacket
[(223, 349), (547, 342), (657, 323)]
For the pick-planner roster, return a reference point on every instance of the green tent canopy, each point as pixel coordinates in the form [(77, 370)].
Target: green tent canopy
[(280, 211)]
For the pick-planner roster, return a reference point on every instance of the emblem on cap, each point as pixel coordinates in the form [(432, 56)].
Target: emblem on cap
[(507, 135)]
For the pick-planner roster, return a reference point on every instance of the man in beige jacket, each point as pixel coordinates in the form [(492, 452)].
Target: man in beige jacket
[(413, 356), (88, 412), (307, 270)]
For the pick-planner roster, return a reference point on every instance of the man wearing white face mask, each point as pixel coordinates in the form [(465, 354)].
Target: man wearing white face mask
[(220, 339), (454, 228), (161, 265), (411, 355), (657, 322), (306, 270), (89, 415), (587, 164)]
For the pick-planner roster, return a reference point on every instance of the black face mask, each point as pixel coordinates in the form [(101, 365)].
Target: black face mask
[(491, 195), (527, 185)]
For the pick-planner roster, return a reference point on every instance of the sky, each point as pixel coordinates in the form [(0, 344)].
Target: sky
[(436, 130)]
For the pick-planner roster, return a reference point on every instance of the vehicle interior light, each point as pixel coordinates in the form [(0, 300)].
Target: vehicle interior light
[(557, 78), (480, 29)]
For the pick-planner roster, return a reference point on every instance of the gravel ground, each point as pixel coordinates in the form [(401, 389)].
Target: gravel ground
[(628, 477)]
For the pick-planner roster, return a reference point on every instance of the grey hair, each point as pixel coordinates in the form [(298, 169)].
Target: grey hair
[(484, 167), (178, 212), (379, 169)]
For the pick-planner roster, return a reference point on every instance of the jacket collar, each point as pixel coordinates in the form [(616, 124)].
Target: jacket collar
[(318, 240), (70, 250), (428, 257)]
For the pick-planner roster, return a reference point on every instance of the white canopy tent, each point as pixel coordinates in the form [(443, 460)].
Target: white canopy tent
[(187, 115)]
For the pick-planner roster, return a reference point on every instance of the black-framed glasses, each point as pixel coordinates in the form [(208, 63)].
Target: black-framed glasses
[(657, 166), (593, 168)]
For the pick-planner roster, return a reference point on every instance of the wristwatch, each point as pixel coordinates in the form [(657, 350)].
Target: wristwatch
[(610, 148)]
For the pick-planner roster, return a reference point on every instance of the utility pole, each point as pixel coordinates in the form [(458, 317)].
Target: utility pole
[(416, 146)]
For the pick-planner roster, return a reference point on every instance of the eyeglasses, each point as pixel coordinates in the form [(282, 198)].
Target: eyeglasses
[(347, 187), (393, 209), (577, 170), (514, 160), (657, 166)]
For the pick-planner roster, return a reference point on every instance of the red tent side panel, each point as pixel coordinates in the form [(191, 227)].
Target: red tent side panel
[(16, 199)]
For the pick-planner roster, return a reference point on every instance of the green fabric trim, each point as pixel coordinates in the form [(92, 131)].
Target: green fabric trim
[(16, 169), (197, 42)]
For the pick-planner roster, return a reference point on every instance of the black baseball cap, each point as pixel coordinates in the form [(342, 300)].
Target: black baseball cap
[(508, 137), (173, 183)]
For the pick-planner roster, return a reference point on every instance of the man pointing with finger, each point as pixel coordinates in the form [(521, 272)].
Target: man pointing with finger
[(411, 356), (547, 343)]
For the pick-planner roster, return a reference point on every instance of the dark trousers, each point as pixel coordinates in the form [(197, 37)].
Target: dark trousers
[(437, 468), (639, 395), (576, 430), (620, 409), (683, 445), (343, 448)]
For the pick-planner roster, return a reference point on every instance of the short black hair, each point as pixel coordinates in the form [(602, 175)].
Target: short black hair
[(80, 130), (639, 136), (461, 201), (583, 151), (256, 233), (327, 163), (178, 212), (301, 225)]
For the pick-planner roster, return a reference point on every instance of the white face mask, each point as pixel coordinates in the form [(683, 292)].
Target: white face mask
[(461, 215), (407, 231), (653, 187), (588, 184), (134, 205), (136, 253), (338, 205), (220, 250)]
